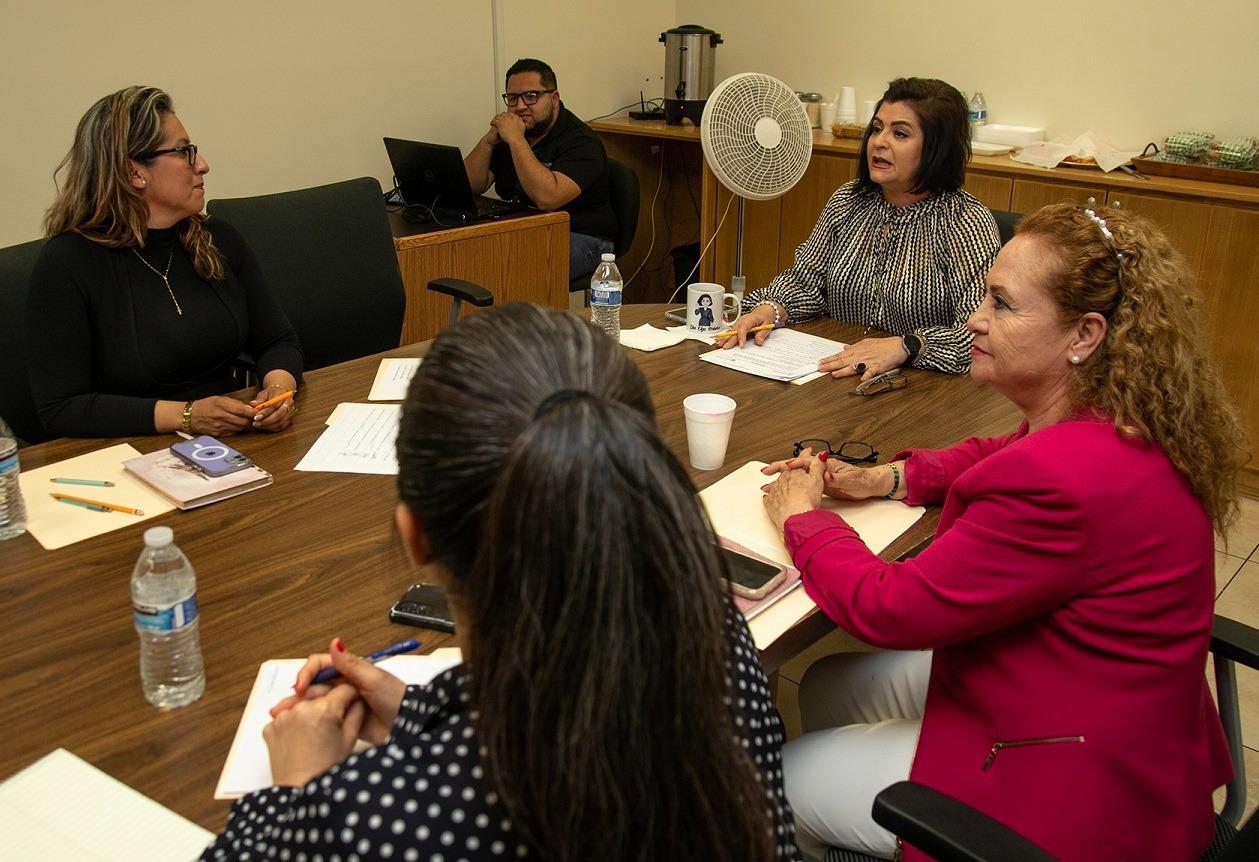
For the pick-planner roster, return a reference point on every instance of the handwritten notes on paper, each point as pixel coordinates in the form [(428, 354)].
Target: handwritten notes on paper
[(787, 354), (392, 379), (359, 440)]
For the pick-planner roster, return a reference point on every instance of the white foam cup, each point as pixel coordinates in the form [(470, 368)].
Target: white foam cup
[(708, 420)]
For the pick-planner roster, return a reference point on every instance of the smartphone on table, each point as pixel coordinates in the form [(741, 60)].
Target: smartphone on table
[(752, 578), (423, 605), (212, 457)]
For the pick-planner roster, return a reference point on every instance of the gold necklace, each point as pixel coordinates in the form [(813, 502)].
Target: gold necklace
[(163, 276)]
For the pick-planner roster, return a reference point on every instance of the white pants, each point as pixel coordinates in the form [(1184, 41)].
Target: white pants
[(861, 714)]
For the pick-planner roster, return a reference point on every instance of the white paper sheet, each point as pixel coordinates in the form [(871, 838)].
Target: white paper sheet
[(786, 355), (248, 766), (55, 525), (63, 808), (737, 513), (648, 338), (392, 379), (360, 440)]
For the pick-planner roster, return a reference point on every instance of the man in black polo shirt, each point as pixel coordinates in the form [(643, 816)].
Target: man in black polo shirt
[(538, 152)]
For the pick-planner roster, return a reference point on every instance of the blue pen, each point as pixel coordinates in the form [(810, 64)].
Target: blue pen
[(328, 674)]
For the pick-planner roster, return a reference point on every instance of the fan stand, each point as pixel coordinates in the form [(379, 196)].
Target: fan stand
[(738, 282)]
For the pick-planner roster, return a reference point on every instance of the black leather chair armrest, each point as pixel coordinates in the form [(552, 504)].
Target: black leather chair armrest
[(473, 294), (949, 830), (1235, 641)]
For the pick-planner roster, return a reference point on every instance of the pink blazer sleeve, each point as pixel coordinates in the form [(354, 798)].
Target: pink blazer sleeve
[(929, 473), (1011, 554)]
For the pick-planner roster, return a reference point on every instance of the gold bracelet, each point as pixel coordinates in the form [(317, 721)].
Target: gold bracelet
[(185, 423)]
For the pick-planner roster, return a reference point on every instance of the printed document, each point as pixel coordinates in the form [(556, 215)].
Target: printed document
[(392, 379), (359, 440), (786, 355)]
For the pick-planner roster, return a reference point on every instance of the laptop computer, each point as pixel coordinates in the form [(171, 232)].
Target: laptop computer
[(432, 176)]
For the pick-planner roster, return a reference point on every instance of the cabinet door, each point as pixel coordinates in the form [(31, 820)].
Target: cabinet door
[(1031, 195), (760, 240), (992, 192), (803, 204), (1185, 222), (1230, 311)]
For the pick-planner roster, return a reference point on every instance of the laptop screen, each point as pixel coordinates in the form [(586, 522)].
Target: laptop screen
[(430, 175)]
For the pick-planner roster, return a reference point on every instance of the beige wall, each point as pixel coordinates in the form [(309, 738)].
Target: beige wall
[(1131, 70), (278, 95)]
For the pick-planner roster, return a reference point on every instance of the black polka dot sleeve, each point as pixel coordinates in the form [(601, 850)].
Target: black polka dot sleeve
[(423, 794), (916, 269)]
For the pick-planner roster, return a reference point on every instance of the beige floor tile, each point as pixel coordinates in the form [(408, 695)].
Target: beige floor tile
[(835, 642), (1243, 537), (1226, 565), (1240, 601), (788, 703), (1252, 785)]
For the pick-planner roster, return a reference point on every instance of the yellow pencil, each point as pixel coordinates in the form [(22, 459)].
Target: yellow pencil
[(730, 333), (273, 401), (113, 507)]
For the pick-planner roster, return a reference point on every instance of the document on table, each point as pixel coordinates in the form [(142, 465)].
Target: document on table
[(55, 525), (738, 514), (62, 807), (786, 355), (392, 379), (248, 766), (360, 440)]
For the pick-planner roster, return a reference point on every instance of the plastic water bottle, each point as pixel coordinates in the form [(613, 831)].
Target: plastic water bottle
[(978, 113), (164, 606), (605, 297), (12, 507)]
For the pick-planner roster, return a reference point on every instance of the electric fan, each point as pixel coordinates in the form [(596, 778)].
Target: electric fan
[(757, 142)]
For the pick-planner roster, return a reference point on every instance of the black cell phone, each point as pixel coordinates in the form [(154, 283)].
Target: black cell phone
[(752, 578), (425, 606)]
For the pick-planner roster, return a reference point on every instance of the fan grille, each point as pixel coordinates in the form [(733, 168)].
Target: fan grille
[(756, 163)]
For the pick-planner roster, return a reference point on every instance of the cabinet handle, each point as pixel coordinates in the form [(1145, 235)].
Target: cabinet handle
[(1117, 204)]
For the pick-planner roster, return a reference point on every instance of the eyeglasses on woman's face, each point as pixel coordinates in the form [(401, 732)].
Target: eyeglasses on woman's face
[(529, 97), (188, 151)]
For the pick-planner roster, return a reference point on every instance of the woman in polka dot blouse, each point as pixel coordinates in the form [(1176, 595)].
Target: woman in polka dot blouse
[(611, 704)]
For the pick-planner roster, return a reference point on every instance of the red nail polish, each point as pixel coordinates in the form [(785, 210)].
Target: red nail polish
[(338, 645), (822, 456)]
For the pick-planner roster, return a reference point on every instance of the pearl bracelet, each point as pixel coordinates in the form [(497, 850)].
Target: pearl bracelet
[(773, 305)]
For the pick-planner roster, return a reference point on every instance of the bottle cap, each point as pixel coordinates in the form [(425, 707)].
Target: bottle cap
[(158, 537), (608, 257)]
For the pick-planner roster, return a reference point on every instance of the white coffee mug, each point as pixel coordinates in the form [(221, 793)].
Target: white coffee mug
[(709, 308)]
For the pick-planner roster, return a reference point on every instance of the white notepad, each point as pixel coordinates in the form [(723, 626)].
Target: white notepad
[(63, 808), (737, 513), (359, 439), (248, 766)]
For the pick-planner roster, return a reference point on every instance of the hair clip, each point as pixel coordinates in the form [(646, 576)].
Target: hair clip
[(1101, 226)]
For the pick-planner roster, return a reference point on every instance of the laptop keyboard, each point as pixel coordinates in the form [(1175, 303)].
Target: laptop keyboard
[(490, 206)]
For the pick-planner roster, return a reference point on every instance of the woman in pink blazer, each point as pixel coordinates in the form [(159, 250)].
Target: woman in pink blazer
[(1067, 597)]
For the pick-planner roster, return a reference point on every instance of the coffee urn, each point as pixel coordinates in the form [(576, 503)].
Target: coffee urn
[(690, 52)]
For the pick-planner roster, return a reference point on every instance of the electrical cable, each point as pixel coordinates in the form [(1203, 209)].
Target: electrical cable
[(652, 102), (651, 247), (704, 251)]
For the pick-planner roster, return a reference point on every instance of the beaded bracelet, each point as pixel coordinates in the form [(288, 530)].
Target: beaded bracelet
[(896, 482), (773, 305)]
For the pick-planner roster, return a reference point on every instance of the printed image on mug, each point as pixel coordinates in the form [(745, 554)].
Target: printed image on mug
[(709, 308)]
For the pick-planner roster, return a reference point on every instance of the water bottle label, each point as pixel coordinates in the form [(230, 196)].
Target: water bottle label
[(605, 296), (168, 619), (9, 463)]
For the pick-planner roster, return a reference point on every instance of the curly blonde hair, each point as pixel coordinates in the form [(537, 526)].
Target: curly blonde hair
[(1152, 372), (98, 200)]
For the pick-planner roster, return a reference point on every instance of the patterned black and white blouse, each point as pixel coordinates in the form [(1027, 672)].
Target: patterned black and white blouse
[(916, 269), (423, 794)]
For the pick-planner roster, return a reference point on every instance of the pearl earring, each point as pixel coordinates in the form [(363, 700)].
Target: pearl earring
[(1075, 360)]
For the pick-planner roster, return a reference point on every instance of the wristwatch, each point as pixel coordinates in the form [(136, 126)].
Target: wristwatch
[(185, 423), (913, 346)]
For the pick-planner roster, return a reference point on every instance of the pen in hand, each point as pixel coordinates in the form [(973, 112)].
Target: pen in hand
[(730, 333), (328, 674)]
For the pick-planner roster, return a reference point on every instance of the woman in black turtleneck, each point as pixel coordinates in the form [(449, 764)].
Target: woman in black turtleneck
[(139, 304)]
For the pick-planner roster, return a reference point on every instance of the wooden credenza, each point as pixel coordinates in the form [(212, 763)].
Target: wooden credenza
[(1215, 225), (521, 259)]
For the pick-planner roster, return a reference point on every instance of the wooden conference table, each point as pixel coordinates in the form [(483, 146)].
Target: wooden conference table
[(283, 569)]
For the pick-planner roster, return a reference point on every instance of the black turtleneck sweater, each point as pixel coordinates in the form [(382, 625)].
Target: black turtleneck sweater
[(105, 342)]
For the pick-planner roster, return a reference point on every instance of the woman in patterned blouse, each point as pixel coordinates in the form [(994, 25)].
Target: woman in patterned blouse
[(611, 704), (900, 249)]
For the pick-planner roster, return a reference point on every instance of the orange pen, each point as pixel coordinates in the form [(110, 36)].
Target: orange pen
[(271, 402), (84, 501)]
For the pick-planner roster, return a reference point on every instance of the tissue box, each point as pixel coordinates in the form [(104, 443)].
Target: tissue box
[(1014, 136)]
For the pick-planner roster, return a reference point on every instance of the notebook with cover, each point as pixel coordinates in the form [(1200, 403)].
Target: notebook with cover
[(433, 176), (186, 486)]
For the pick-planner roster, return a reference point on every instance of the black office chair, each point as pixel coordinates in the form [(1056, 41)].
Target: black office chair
[(1006, 222), (17, 404), (623, 192), (952, 831), (328, 255), (461, 291)]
